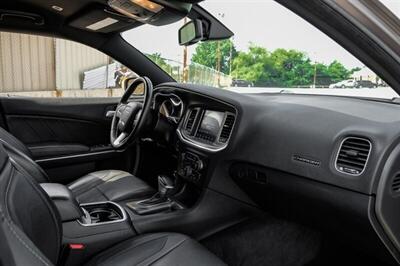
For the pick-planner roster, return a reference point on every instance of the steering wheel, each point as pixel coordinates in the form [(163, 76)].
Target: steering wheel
[(130, 116)]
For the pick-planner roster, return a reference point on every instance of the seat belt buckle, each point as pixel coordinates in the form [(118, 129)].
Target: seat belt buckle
[(73, 254)]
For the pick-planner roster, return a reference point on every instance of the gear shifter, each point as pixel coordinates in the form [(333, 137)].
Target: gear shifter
[(166, 188), (161, 201)]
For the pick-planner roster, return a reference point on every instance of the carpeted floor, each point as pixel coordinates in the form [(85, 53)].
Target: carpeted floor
[(270, 241), (265, 241)]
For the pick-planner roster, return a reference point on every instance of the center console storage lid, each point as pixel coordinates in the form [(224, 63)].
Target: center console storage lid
[(64, 200)]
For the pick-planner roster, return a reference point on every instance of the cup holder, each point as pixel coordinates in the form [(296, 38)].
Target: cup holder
[(102, 213)]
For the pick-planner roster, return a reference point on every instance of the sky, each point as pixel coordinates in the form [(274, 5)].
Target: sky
[(262, 22)]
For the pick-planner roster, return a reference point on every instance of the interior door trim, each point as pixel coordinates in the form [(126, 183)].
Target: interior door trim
[(89, 156)]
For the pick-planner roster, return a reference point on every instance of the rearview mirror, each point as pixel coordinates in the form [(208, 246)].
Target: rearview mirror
[(191, 33)]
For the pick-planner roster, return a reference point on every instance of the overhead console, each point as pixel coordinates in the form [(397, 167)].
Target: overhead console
[(120, 15), (207, 129)]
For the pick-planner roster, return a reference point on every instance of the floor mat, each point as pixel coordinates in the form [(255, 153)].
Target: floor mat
[(265, 241)]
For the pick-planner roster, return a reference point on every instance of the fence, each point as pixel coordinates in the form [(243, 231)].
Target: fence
[(195, 73)]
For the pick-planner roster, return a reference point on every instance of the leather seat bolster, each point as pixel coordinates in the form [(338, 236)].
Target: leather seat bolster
[(109, 185), (157, 249)]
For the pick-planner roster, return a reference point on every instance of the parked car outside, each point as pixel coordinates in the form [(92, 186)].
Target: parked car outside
[(366, 84), (349, 83), (242, 83)]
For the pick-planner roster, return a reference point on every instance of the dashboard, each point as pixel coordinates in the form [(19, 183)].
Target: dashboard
[(332, 156), (202, 123)]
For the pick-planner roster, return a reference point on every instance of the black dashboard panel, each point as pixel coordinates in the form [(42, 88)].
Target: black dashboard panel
[(275, 130), (331, 148)]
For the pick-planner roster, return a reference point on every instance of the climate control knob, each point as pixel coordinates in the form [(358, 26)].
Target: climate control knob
[(199, 165)]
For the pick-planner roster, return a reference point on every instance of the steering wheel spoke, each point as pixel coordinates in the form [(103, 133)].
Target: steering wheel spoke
[(120, 139), (128, 117)]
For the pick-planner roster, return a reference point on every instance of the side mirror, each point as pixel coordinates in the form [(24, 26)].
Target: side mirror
[(191, 33), (138, 91)]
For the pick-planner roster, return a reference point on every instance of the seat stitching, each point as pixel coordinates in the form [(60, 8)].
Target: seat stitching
[(42, 196), (169, 251), (135, 246), (101, 192), (10, 226), (21, 240)]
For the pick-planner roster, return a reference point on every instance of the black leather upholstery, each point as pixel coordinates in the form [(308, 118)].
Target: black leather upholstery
[(24, 161), (99, 186), (14, 142), (159, 250), (29, 219), (109, 185), (64, 200), (30, 231)]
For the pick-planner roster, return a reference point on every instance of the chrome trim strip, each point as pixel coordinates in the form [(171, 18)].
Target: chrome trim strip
[(366, 161), (176, 104), (76, 156), (186, 139), (124, 215)]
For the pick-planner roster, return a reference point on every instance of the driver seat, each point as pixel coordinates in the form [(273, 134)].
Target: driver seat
[(106, 185)]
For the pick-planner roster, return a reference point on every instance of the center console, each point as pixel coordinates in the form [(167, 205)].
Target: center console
[(88, 228)]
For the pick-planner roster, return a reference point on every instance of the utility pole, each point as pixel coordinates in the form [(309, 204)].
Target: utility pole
[(185, 58), (230, 56), (315, 75), (219, 62), (222, 15), (315, 70)]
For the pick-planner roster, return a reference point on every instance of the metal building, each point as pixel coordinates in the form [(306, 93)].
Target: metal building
[(37, 63)]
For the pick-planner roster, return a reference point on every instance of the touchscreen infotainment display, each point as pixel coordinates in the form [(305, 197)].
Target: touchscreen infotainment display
[(212, 123)]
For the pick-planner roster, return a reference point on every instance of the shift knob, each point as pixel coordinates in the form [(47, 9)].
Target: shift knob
[(166, 186)]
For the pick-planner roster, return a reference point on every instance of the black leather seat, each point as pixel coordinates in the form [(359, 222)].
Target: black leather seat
[(157, 249), (31, 230), (107, 185)]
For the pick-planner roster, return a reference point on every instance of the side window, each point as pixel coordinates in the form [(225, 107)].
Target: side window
[(38, 66)]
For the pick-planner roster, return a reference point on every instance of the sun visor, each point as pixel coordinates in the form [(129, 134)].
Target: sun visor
[(102, 20)]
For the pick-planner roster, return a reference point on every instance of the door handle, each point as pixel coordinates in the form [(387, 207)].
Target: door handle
[(110, 114)]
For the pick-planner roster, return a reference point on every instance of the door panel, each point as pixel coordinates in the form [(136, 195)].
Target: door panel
[(67, 137), (56, 131)]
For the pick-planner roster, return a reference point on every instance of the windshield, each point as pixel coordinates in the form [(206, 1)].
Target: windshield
[(273, 50)]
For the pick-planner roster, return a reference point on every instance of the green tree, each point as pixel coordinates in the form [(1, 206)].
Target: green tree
[(253, 65), (160, 61), (338, 72), (286, 68), (206, 54), (291, 68)]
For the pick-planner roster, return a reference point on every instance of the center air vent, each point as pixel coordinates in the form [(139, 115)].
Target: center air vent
[(190, 120), (353, 155), (227, 128)]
